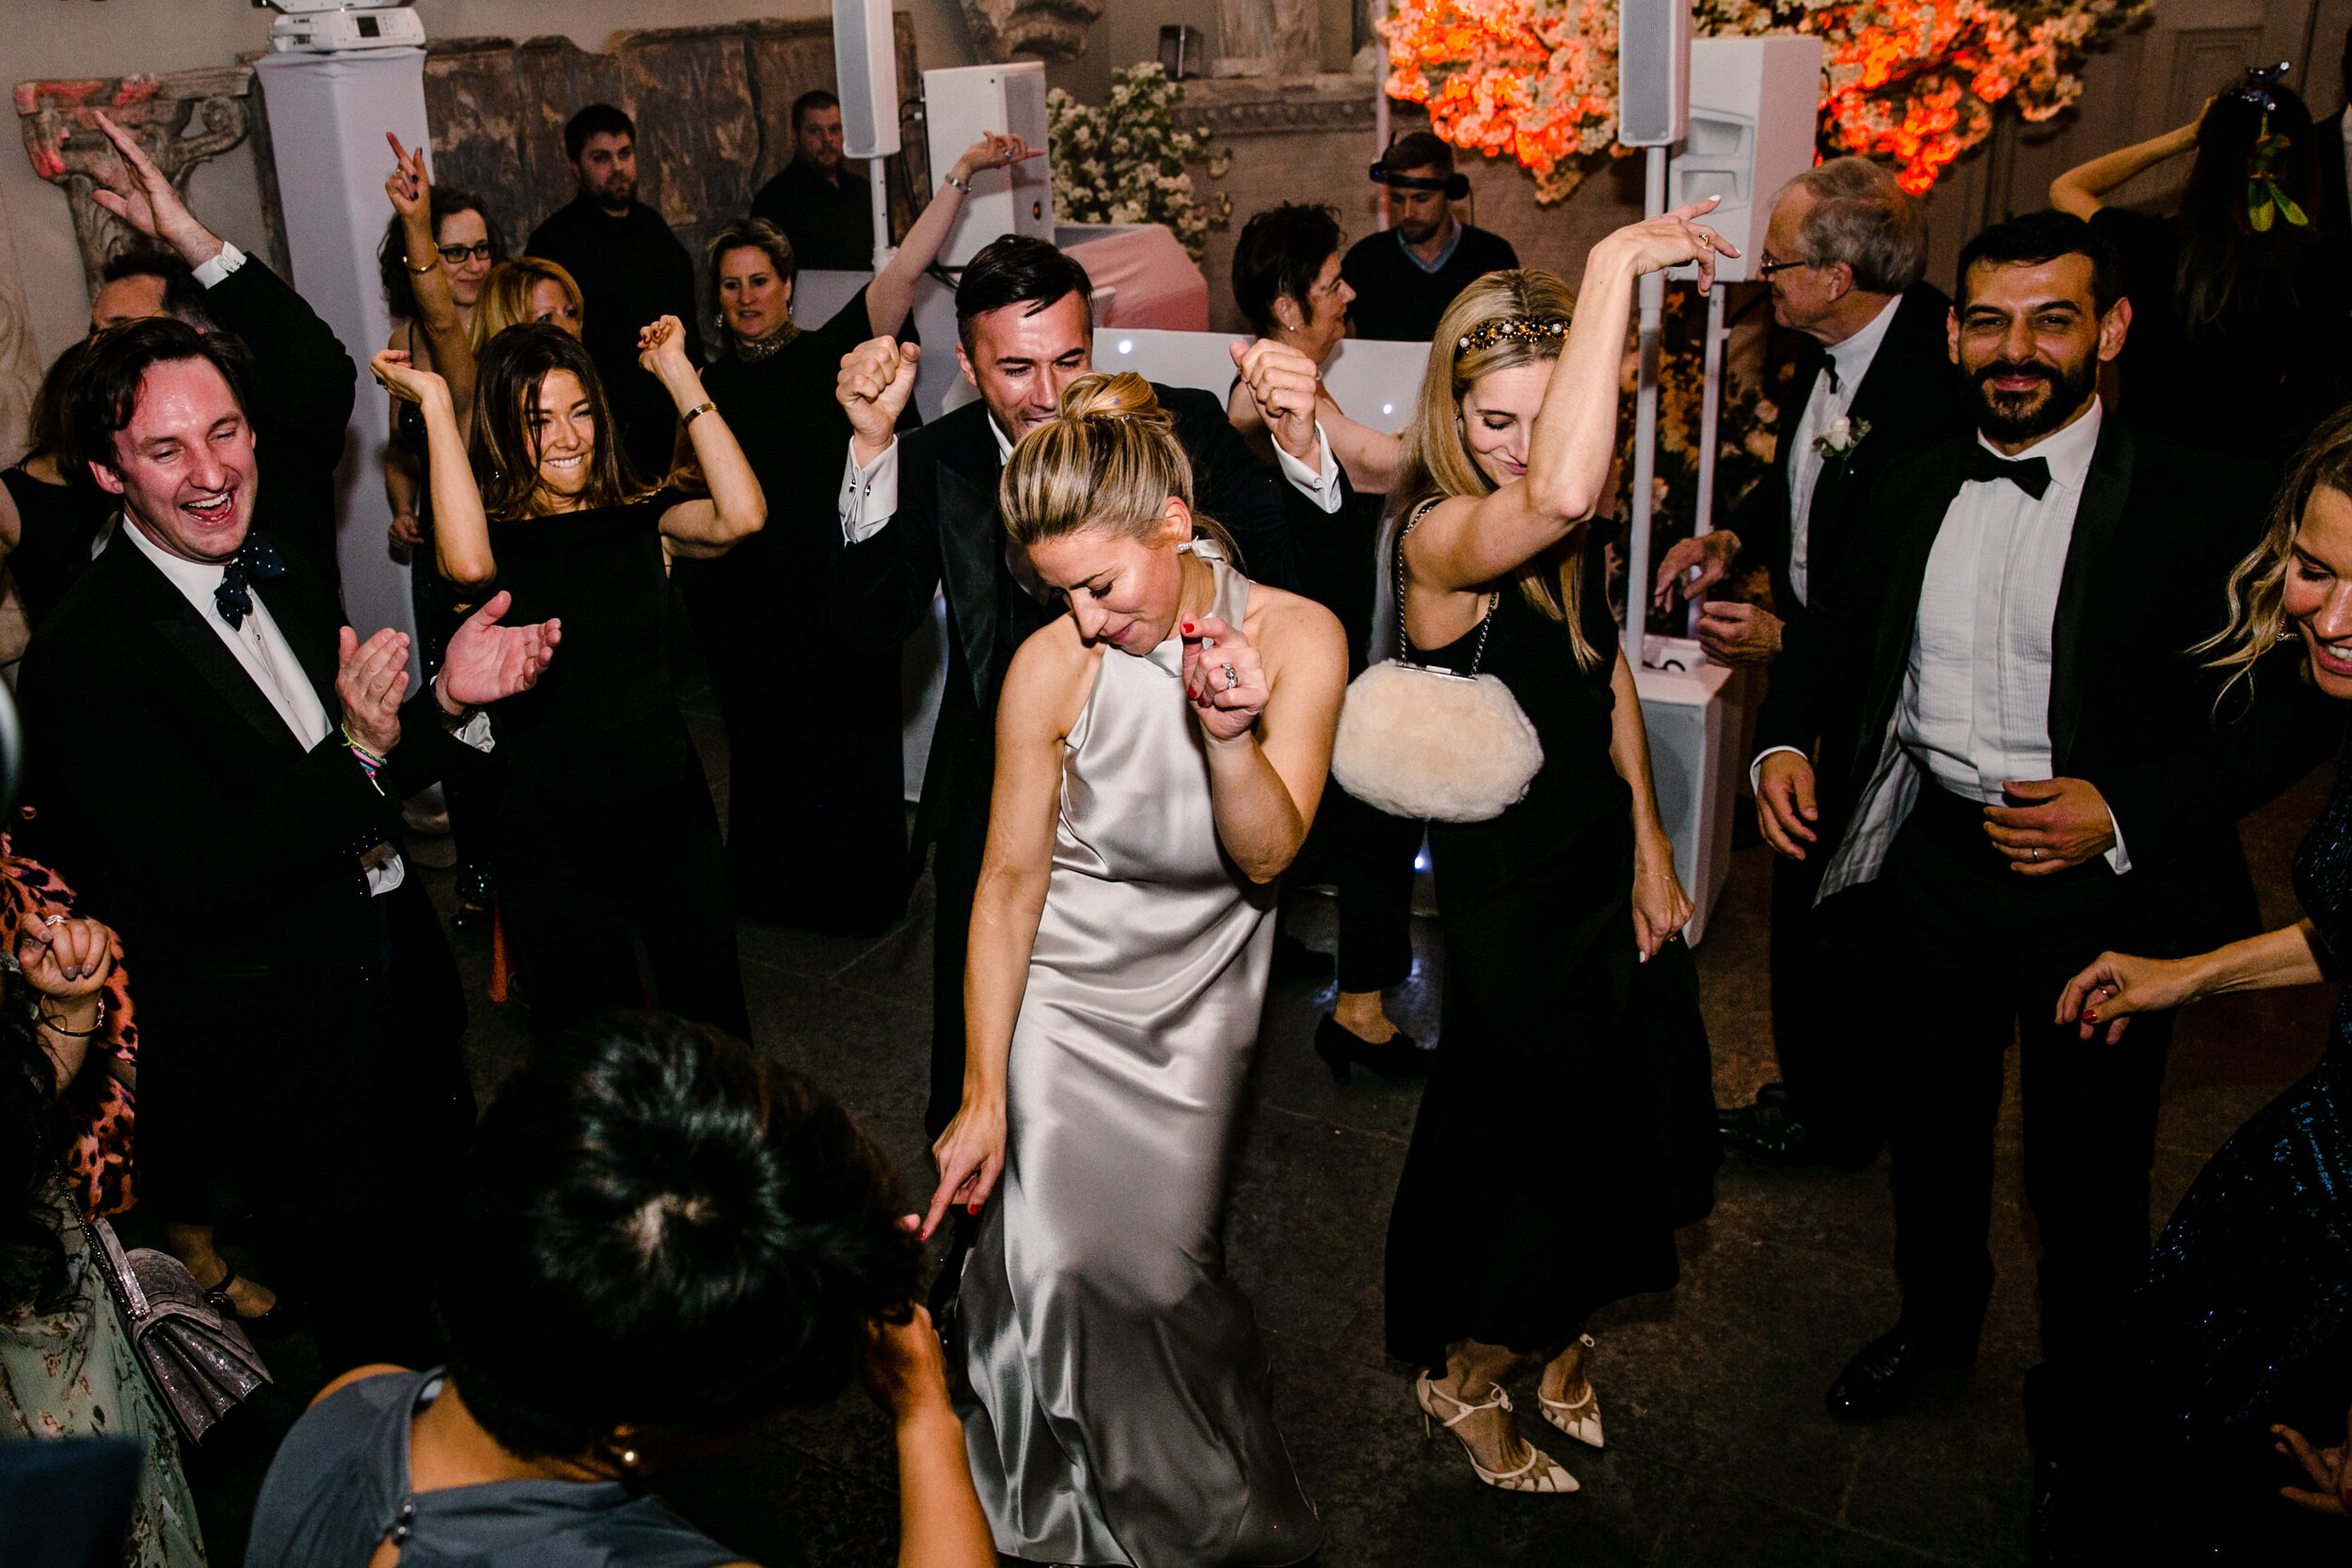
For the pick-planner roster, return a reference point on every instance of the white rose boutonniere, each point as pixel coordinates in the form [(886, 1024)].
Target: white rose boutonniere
[(1836, 443)]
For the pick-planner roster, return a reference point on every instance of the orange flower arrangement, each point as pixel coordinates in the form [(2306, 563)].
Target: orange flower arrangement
[(1910, 80)]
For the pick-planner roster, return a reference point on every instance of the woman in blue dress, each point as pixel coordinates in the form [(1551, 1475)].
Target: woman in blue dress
[(2247, 1310)]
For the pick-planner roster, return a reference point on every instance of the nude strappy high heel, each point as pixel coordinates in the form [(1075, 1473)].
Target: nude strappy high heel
[(1541, 1473), (1581, 1419)]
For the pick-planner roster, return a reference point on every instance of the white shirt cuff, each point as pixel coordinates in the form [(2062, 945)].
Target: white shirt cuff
[(869, 496), (220, 266), (1755, 768), (2118, 858), (475, 731), (1320, 485)]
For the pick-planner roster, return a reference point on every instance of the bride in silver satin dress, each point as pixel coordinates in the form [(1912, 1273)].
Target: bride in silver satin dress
[(1160, 754)]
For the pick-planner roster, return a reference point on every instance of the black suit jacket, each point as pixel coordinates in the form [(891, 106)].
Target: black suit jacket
[(306, 385), (1910, 395), (2158, 532), (187, 815), (948, 534)]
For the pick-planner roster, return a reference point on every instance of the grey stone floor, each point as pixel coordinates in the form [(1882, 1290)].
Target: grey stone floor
[(1720, 1452)]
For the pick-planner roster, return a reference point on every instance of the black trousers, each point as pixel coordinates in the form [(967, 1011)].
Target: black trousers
[(1830, 1045), (1980, 956), (584, 891), (955, 881), (1368, 857)]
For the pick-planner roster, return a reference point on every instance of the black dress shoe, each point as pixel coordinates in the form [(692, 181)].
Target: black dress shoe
[(1295, 961), (1398, 1056), (2060, 1531), (1884, 1373), (1770, 1134)]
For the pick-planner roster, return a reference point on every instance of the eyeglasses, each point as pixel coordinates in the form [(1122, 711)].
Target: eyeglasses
[(458, 255), (1765, 269)]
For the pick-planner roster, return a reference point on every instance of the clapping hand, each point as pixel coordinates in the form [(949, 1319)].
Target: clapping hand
[(141, 195), (1224, 680), (2328, 1469), (69, 959), (1285, 384), (877, 379), (486, 662), (409, 186), (371, 678)]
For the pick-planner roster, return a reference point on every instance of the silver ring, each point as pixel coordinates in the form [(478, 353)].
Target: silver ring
[(1232, 679), (2037, 854), (52, 920)]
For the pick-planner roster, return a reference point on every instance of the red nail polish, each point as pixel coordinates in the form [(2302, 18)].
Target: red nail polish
[(1187, 625)]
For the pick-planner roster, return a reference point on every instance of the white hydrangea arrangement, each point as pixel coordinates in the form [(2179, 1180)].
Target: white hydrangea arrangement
[(1128, 161)]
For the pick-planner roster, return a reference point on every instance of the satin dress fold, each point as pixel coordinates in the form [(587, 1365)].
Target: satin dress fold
[(1117, 1407)]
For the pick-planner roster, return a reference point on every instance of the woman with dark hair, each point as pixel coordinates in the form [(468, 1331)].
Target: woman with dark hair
[(663, 1239), (1571, 1003), (67, 1364), (809, 829), (542, 506), (51, 514), (1286, 279), (2239, 327), (1160, 754), (2247, 1311), (437, 255)]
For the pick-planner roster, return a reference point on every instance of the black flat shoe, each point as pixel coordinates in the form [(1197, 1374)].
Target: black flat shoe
[(1295, 961), (1769, 1134), (1398, 1056), (1884, 1373), (275, 1323)]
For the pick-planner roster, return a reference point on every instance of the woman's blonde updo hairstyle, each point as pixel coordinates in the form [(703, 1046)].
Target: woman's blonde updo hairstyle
[(1436, 460), (1109, 458), (2258, 616)]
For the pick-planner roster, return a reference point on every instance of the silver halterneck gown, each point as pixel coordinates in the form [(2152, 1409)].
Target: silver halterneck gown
[(1119, 1409)]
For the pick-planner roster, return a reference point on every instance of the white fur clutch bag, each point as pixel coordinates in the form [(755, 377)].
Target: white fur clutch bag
[(1429, 745)]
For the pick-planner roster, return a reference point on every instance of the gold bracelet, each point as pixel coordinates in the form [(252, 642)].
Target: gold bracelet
[(696, 412), (420, 271)]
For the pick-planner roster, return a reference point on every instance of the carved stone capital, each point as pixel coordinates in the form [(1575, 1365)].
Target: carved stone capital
[(1052, 29), (1237, 107), (67, 148)]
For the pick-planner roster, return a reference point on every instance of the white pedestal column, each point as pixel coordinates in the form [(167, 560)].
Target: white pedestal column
[(327, 116)]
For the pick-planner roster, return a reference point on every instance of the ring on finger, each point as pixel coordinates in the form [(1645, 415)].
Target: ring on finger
[(1707, 241), (2037, 854), (1231, 679)]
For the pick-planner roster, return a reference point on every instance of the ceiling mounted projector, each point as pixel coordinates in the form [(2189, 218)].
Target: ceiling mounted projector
[(325, 26)]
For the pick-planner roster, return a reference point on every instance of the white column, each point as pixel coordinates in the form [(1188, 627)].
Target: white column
[(327, 116)]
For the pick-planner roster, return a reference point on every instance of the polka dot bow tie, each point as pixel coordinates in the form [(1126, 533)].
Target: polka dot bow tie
[(257, 560)]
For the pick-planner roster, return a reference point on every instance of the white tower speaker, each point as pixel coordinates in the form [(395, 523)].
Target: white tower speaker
[(1755, 103), (959, 105), (865, 71), (1653, 71)]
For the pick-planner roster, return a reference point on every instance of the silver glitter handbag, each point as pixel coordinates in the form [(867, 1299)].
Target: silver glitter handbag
[(200, 1361)]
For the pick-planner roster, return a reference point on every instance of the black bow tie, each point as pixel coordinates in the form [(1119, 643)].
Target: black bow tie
[(2030, 474), (257, 559)]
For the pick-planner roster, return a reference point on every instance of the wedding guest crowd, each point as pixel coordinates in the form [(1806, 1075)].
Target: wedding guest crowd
[(2034, 649)]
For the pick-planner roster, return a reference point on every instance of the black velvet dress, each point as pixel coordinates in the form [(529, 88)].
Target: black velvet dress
[(2248, 1306), (816, 787), (607, 842), (1555, 1036)]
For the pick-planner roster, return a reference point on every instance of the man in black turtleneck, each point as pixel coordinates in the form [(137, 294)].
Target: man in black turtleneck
[(631, 272)]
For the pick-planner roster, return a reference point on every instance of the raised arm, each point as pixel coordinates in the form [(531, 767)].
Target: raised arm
[(411, 191), (1267, 708), (461, 532), (736, 507), (1465, 543), (891, 295), (1045, 689), (2077, 191)]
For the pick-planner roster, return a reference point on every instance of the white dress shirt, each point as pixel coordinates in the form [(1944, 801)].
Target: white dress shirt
[(1841, 373), (869, 499), (262, 649)]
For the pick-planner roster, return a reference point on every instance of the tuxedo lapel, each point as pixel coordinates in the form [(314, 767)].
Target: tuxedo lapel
[(185, 630), (1898, 617), (971, 545), (2096, 521), (310, 641)]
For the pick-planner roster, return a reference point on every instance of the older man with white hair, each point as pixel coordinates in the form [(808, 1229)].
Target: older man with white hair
[(1873, 376)]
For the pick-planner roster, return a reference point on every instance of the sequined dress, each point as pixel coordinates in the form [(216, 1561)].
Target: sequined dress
[(2247, 1304)]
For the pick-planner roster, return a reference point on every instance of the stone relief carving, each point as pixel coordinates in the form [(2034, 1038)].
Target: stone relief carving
[(181, 118), (1277, 105), (1050, 29)]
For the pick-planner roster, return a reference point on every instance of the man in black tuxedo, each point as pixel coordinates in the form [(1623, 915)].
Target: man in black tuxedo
[(2334, 155), (1872, 380), (304, 381), (920, 514), (222, 782), (2037, 775)]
